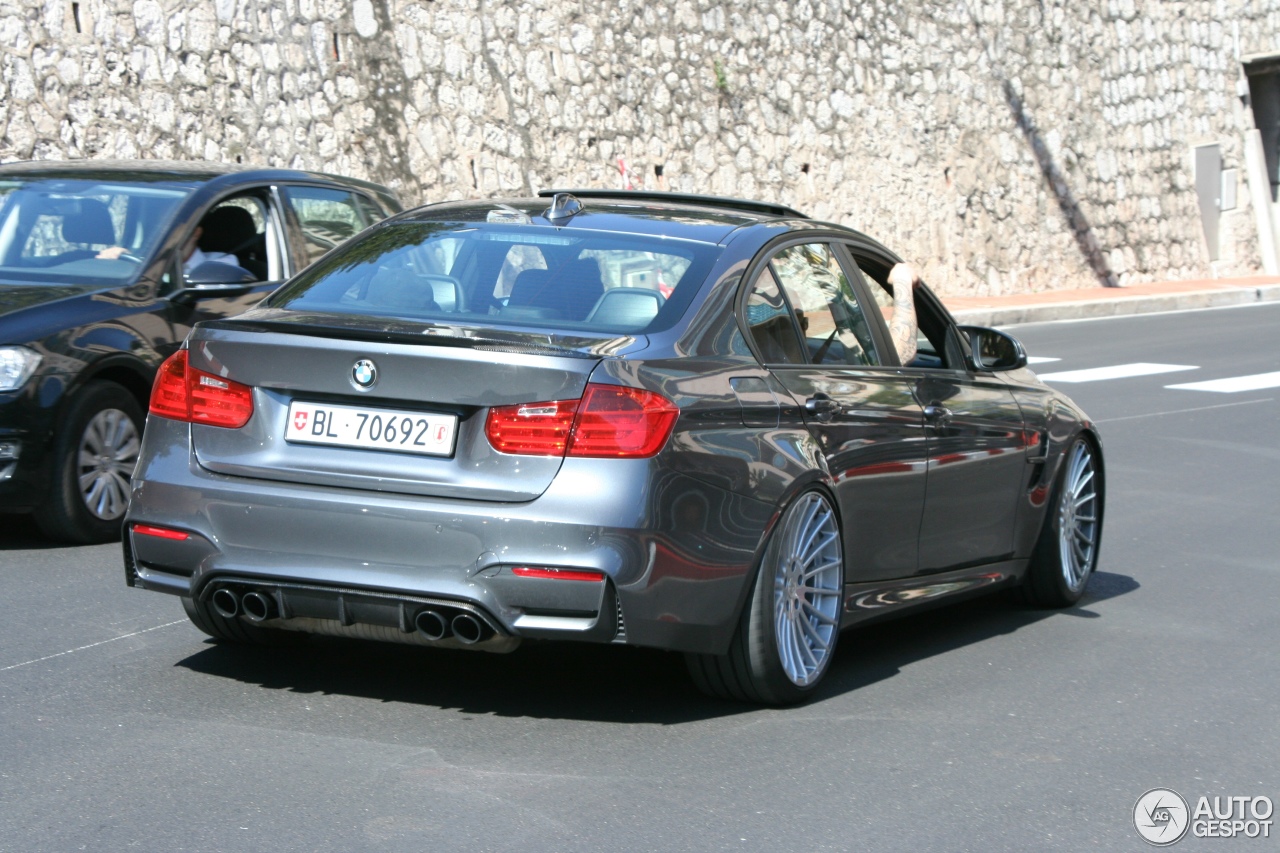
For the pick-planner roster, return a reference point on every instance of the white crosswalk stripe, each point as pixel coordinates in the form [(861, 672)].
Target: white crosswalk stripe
[(1234, 384), (1115, 371), (1040, 359)]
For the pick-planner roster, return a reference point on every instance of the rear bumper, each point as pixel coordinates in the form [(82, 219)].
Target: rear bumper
[(675, 552)]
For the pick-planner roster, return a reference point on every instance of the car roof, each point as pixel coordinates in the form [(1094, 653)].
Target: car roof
[(178, 171), (705, 219)]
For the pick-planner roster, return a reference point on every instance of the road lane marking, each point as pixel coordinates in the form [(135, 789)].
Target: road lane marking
[(1115, 371), (1183, 411), (1040, 359), (1234, 385), (91, 645)]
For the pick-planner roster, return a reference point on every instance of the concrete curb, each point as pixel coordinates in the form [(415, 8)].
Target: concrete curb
[(1118, 306)]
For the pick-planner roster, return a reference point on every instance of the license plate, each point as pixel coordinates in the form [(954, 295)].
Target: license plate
[(371, 429)]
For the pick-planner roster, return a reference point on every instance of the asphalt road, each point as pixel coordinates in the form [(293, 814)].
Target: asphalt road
[(988, 726)]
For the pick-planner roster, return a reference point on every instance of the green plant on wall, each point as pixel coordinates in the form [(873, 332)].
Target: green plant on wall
[(722, 82)]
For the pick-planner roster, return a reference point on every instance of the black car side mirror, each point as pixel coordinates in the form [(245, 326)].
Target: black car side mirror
[(993, 349), (212, 279)]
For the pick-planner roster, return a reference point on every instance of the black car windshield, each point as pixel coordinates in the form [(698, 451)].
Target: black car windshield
[(81, 231), (504, 274)]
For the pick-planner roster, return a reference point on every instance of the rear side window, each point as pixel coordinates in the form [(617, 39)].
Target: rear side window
[(507, 275), (328, 217), (769, 319), (821, 304)]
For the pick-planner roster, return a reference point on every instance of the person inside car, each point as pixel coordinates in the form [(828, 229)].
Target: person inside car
[(904, 278), (192, 255)]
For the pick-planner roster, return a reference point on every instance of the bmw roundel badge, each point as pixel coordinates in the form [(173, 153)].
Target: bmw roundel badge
[(364, 373)]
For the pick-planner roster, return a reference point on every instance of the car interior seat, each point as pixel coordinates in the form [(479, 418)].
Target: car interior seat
[(446, 290), (231, 229), (92, 226), (626, 307), (568, 292), (401, 289)]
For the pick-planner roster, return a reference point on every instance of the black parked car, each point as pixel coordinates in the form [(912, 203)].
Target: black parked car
[(104, 267)]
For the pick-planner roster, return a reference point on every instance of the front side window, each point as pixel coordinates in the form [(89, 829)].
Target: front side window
[(237, 231), (506, 274), (831, 321), (933, 345)]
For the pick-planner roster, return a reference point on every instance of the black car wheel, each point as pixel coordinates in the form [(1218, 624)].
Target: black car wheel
[(1067, 551), (95, 451), (788, 633)]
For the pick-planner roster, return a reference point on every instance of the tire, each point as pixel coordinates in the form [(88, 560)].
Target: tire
[(1066, 553), (95, 450), (788, 630), (235, 630)]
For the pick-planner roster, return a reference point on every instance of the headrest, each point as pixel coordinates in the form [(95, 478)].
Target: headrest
[(227, 229), (529, 288), (91, 226)]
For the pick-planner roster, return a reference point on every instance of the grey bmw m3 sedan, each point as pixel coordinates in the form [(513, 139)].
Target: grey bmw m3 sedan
[(611, 417)]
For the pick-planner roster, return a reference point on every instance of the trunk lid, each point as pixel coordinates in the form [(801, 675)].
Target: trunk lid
[(433, 370)]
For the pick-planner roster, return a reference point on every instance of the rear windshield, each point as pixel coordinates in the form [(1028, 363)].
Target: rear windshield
[(507, 275), (86, 231)]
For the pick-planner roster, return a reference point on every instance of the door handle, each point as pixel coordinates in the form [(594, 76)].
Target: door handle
[(822, 407), (941, 414)]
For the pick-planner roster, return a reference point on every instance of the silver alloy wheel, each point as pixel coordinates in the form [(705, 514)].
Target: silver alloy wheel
[(806, 589), (105, 461), (1078, 517)]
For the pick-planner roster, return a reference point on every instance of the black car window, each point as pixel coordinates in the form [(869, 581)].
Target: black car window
[(935, 346), (505, 274), (769, 319), (327, 217), (825, 306), (235, 231), (82, 230)]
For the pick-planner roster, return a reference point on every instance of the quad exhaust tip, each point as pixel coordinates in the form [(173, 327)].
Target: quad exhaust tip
[(468, 629), (226, 603), (257, 606), (432, 625)]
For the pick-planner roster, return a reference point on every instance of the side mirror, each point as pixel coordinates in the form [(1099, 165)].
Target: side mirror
[(212, 279), (993, 349)]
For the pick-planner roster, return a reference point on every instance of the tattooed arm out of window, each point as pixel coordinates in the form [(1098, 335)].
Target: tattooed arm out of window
[(904, 278)]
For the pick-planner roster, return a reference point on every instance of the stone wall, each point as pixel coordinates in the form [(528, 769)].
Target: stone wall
[(1020, 145)]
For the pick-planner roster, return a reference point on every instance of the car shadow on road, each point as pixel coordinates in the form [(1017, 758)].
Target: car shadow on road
[(617, 684), (884, 649), (19, 533)]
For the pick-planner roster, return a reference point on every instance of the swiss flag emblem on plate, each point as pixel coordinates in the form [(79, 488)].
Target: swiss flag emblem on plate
[(300, 421)]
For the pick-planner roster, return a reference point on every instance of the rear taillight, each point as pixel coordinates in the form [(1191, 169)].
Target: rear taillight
[(183, 393), (609, 421), (622, 422), (531, 429)]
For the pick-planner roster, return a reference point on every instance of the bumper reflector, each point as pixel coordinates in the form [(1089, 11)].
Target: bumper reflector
[(160, 532), (558, 574)]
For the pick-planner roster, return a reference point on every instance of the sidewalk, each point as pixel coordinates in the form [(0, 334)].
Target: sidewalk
[(1112, 301)]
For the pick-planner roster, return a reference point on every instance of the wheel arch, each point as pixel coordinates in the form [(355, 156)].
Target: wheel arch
[(814, 480), (134, 375)]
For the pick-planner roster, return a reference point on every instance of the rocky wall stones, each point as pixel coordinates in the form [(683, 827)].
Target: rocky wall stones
[(1007, 145)]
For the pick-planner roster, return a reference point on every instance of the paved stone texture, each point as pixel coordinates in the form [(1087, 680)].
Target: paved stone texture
[(1015, 146)]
